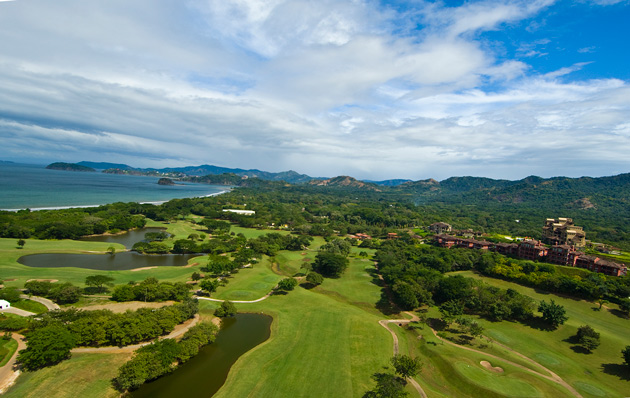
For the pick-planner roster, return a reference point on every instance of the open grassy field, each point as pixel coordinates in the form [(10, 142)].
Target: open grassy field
[(84, 375), (249, 283), (320, 342), (7, 348), (599, 373), (326, 341)]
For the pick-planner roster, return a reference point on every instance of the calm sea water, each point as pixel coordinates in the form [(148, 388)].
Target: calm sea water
[(31, 186)]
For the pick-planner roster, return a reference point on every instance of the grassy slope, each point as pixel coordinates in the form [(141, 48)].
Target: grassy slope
[(597, 374), (84, 375), (30, 305), (318, 343), (7, 348), (249, 283), (328, 340)]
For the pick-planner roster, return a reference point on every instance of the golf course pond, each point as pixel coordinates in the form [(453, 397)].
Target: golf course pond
[(204, 374), (109, 262)]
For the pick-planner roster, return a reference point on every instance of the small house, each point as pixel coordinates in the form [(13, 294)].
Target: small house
[(4, 304)]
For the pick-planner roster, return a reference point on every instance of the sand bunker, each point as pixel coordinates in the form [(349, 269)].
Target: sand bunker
[(43, 280), (491, 368), (141, 269)]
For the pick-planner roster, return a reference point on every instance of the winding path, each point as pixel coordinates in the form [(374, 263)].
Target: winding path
[(8, 373), (384, 323), (48, 303), (236, 301), (552, 376)]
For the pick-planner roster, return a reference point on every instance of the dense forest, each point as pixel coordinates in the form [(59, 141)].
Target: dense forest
[(344, 205)]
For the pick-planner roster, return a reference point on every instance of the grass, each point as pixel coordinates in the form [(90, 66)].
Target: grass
[(326, 341), (84, 375), (7, 349), (249, 283), (30, 305), (599, 372)]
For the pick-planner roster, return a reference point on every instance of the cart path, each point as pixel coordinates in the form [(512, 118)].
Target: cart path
[(48, 303), (384, 323), (266, 296), (177, 331), (552, 376), (8, 373)]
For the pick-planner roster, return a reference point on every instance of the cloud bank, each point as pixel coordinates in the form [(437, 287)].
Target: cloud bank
[(373, 90)]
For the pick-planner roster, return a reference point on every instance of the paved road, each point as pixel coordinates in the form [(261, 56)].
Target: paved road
[(8, 373), (237, 301), (48, 303), (384, 323), (17, 311)]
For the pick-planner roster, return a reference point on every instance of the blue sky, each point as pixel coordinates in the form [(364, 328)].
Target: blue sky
[(376, 90)]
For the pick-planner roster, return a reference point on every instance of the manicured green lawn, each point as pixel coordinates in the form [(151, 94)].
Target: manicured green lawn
[(30, 305), (7, 348), (249, 283), (599, 373), (319, 347)]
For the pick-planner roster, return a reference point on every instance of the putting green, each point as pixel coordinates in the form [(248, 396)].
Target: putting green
[(498, 382)]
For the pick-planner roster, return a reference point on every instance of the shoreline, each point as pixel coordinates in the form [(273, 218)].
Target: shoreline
[(103, 204)]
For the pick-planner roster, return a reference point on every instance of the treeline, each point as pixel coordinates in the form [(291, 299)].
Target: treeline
[(70, 223), (151, 289), (51, 336), (511, 207), (162, 357), (416, 274), (60, 293)]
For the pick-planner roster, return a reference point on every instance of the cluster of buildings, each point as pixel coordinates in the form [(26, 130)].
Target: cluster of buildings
[(563, 238)]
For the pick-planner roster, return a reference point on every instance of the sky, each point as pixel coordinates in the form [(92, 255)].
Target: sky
[(372, 89)]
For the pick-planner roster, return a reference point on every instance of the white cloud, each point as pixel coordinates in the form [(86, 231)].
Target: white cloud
[(324, 88)]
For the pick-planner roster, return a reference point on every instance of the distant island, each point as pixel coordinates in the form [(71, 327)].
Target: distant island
[(68, 167), (165, 181)]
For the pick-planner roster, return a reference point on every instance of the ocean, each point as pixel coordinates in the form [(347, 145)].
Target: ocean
[(35, 187)]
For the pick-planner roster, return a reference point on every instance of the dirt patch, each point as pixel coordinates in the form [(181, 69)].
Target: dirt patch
[(43, 280), (122, 307), (304, 254), (190, 265), (216, 321), (141, 269), (10, 280), (491, 368)]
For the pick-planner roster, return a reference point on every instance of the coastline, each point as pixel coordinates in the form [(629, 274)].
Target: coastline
[(103, 204)]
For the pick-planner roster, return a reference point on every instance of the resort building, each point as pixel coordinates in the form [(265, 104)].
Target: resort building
[(4, 304), (562, 231), (440, 227), (534, 250)]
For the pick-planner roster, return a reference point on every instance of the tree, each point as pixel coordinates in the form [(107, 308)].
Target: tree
[(314, 278), (10, 294), (209, 285), (475, 329), (330, 265), (287, 284), (624, 305), (406, 366), (227, 308), (450, 310), (387, 386), (587, 337), (21, 243), (98, 281), (626, 355), (552, 313), (46, 346), (195, 276), (111, 250)]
